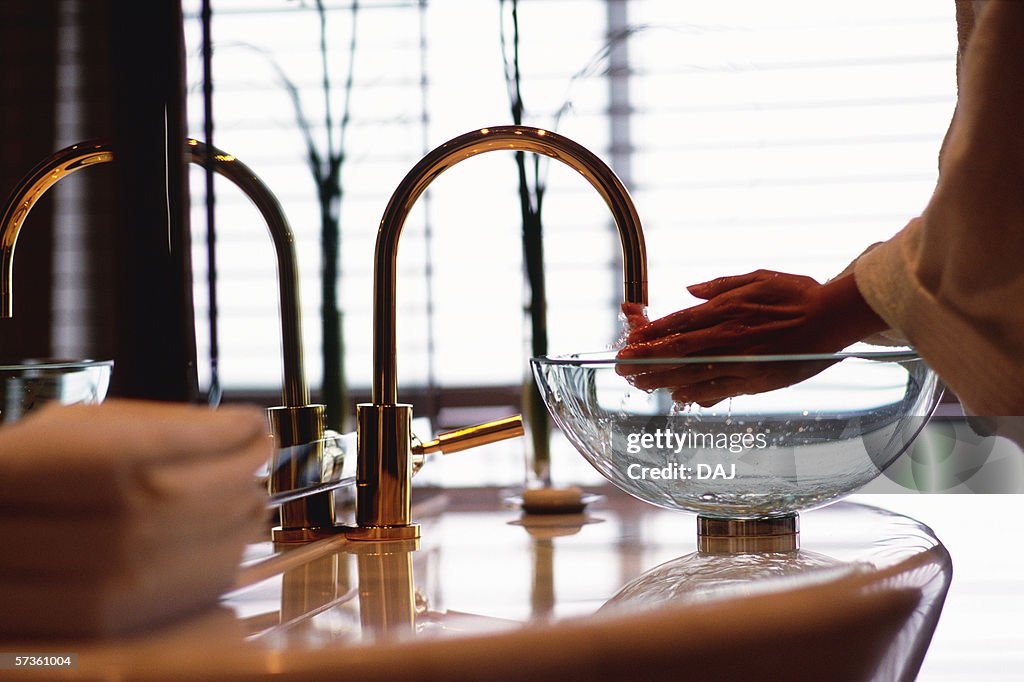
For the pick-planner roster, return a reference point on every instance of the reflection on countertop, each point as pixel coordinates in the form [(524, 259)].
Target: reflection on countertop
[(618, 590)]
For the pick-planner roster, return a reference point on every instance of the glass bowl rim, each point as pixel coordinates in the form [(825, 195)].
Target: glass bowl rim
[(607, 358), (44, 364)]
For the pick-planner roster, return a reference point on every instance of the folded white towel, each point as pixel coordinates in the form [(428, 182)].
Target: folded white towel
[(123, 515), (125, 456)]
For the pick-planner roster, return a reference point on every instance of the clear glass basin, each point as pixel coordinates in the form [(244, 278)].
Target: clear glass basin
[(32, 383), (782, 450)]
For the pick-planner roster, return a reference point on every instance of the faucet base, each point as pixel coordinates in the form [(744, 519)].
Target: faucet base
[(289, 536), (282, 535), (748, 536), (298, 463), (382, 533)]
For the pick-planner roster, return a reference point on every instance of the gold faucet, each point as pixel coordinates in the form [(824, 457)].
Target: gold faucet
[(295, 423), (385, 458)]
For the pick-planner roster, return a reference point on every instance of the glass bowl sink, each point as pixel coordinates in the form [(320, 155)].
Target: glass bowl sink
[(32, 383), (809, 430)]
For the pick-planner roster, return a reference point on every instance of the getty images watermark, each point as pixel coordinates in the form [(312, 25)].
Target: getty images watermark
[(943, 455), (668, 441)]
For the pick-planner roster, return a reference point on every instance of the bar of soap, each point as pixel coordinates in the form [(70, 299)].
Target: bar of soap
[(553, 501)]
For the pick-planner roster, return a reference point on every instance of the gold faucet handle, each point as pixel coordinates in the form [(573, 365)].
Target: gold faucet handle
[(472, 436)]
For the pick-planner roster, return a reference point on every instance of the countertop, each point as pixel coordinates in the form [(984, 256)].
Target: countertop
[(609, 594)]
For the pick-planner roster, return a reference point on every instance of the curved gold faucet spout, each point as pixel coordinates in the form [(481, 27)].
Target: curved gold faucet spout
[(92, 152), (508, 138), (384, 467)]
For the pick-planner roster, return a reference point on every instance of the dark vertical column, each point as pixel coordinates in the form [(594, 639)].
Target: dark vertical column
[(95, 305), (28, 69), (155, 336)]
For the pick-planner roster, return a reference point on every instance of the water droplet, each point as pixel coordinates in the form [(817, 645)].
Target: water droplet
[(709, 497)]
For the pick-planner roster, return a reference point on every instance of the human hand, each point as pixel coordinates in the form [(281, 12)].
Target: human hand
[(635, 315), (760, 313), (708, 383)]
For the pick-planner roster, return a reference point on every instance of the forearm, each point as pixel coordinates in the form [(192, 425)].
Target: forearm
[(845, 314)]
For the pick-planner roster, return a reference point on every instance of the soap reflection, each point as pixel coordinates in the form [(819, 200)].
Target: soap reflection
[(543, 529)]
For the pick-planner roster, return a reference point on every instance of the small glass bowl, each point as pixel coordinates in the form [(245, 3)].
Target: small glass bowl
[(32, 383), (772, 453)]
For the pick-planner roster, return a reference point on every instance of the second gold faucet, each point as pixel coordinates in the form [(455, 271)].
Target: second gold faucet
[(296, 422)]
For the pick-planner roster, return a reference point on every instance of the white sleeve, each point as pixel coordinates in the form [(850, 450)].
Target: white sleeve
[(952, 281)]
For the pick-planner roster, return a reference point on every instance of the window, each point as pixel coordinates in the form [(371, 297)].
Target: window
[(787, 135)]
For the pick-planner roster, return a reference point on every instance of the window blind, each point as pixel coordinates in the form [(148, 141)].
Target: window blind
[(787, 135)]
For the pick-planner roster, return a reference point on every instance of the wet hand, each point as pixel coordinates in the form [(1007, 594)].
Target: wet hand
[(759, 313), (762, 312)]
